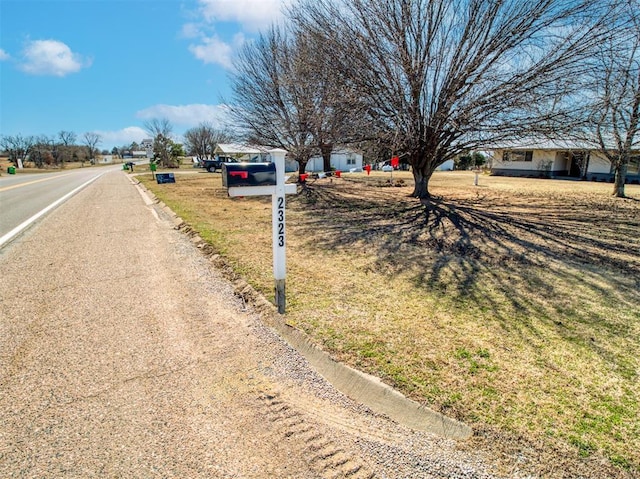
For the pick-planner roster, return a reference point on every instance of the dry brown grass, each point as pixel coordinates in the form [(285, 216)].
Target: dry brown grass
[(30, 168), (513, 306)]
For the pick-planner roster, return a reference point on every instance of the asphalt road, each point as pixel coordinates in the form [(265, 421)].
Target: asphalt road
[(124, 353), (23, 196)]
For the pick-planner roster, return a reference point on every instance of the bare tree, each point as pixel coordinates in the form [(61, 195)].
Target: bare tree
[(54, 154), (67, 141), (332, 117), (91, 141), (67, 138), (613, 112), (285, 96), (440, 77), (270, 106), (39, 153), (158, 126), (17, 146), (202, 140), (160, 129)]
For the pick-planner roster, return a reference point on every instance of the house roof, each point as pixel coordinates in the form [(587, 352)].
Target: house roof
[(544, 144), (344, 150), (549, 144), (237, 148)]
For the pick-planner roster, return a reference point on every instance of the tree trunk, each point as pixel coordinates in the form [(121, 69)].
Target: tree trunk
[(326, 150), (420, 189), (620, 177), (585, 165)]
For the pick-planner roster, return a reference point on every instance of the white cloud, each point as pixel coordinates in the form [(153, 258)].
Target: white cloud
[(4, 55), (191, 30), (251, 14), (186, 115), (51, 57), (213, 50), (125, 136)]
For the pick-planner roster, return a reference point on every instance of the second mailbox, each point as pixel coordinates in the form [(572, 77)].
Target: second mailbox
[(248, 174)]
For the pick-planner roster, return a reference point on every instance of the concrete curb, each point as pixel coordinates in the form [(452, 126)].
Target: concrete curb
[(361, 387), (372, 392)]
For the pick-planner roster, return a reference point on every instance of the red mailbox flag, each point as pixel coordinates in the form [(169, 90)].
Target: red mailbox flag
[(395, 161)]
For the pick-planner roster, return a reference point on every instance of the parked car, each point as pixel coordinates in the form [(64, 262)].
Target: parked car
[(212, 165)]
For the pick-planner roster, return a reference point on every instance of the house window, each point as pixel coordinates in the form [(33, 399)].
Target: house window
[(351, 159), (517, 155), (633, 167)]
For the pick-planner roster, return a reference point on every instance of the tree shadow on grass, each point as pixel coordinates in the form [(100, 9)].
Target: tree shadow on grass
[(525, 249)]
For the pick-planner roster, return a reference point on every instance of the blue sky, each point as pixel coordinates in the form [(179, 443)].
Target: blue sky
[(106, 66)]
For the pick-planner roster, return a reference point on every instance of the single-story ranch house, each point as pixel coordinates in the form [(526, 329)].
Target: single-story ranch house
[(341, 159), (558, 159)]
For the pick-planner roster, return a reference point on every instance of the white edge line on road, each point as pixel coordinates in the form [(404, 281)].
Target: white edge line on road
[(15, 231)]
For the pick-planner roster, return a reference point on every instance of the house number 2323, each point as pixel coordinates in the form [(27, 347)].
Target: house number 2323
[(280, 213)]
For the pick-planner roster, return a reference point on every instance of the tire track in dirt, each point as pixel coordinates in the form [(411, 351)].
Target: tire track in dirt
[(322, 454)]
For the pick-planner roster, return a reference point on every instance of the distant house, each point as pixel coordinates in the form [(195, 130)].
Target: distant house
[(239, 152), (341, 159), (142, 154), (446, 166), (105, 159), (557, 159)]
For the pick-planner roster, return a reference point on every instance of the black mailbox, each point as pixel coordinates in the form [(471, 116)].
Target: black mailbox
[(248, 174)]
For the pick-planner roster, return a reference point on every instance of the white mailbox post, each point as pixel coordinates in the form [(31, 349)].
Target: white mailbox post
[(277, 192)]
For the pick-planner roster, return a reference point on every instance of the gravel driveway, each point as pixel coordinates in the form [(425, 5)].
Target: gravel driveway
[(124, 353)]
